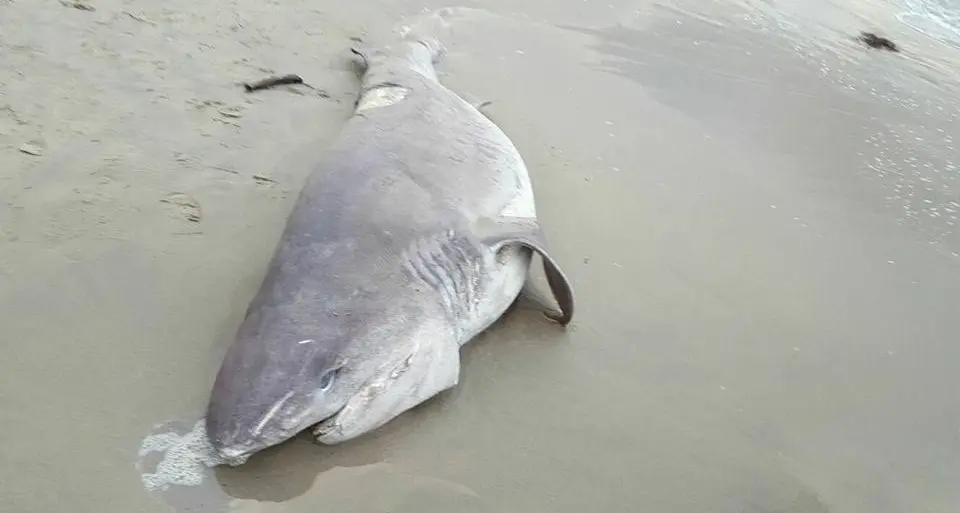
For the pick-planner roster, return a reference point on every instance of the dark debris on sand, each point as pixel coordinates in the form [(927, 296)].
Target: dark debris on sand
[(272, 82), (878, 42)]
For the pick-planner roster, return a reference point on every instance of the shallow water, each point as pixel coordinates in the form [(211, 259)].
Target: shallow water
[(758, 215), (936, 18)]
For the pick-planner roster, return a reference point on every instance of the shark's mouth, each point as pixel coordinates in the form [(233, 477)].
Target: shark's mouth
[(349, 413), (328, 425), (238, 456), (353, 410)]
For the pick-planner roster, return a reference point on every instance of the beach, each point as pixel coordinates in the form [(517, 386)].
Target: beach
[(757, 212)]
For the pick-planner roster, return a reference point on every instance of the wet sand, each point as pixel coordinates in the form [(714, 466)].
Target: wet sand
[(758, 220)]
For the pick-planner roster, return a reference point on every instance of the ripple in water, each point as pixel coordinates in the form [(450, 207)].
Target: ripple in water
[(934, 18)]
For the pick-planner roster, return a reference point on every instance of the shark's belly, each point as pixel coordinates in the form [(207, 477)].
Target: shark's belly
[(503, 284), (506, 270)]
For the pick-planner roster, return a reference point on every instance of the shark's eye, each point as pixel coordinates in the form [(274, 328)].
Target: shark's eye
[(327, 380)]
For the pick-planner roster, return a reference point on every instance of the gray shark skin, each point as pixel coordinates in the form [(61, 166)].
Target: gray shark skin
[(414, 233)]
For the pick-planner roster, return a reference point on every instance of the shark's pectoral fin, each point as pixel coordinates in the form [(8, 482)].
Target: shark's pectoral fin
[(366, 52), (528, 232), (362, 50), (475, 101)]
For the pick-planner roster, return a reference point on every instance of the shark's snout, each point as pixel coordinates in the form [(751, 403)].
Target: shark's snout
[(244, 433), (232, 456), (235, 448)]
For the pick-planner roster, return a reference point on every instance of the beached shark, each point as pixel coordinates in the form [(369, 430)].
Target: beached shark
[(414, 233)]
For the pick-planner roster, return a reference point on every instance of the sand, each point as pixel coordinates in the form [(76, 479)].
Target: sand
[(757, 214)]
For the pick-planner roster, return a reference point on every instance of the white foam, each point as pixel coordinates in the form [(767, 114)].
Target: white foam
[(186, 458)]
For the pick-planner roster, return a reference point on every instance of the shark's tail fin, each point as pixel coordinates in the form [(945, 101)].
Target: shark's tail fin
[(427, 29)]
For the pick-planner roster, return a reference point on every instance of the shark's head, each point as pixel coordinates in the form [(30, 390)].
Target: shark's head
[(348, 374), (267, 392)]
